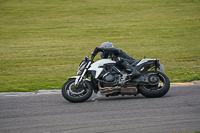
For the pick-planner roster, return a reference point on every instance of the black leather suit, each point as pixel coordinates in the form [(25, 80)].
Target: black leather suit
[(122, 59), (116, 55)]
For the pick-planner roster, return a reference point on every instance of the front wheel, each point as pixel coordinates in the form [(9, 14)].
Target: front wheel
[(157, 90), (76, 94)]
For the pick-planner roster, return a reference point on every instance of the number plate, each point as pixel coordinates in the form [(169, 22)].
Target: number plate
[(162, 68)]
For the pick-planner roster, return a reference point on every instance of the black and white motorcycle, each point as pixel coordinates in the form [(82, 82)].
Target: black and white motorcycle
[(111, 80)]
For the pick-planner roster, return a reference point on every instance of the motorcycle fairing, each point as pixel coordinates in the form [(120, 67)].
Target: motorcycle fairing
[(142, 61), (150, 61), (97, 66)]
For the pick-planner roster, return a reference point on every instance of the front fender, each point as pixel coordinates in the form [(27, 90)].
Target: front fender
[(77, 77)]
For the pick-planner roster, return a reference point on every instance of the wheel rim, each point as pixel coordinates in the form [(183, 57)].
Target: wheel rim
[(75, 92), (157, 87)]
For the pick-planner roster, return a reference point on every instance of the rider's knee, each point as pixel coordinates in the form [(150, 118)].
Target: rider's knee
[(119, 60)]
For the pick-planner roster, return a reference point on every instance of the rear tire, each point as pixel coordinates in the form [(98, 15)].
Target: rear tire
[(155, 91), (75, 95)]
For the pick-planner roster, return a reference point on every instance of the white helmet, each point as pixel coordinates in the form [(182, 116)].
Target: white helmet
[(106, 45)]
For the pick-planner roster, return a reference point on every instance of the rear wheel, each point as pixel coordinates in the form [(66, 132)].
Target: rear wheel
[(157, 90), (76, 94)]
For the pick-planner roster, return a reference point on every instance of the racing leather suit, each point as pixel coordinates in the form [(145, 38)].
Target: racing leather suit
[(122, 59)]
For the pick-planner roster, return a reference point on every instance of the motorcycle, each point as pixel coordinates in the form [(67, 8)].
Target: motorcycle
[(106, 77)]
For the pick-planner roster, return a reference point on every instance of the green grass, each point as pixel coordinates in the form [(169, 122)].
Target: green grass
[(43, 41)]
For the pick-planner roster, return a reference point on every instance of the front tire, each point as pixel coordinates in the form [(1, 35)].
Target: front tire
[(152, 91), (76, 94)]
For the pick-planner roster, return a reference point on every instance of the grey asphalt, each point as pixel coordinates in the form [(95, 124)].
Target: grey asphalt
[(177, 111)]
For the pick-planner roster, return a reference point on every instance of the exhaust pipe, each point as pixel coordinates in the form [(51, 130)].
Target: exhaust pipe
[(119, 89)]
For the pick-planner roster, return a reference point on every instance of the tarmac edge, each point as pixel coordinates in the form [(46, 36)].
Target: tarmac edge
[(42, 92), (185, 83)]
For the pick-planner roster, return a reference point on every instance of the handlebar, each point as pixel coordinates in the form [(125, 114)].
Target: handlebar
[(92, 55)]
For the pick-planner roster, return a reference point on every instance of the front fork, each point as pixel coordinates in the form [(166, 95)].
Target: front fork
[(80, 79)]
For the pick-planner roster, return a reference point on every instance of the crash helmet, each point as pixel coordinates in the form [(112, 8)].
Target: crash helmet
[(106, 45)]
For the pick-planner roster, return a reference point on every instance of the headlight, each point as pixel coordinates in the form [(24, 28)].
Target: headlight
[(81, 67)]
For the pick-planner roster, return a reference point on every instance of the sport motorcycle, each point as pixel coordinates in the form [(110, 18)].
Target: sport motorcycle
[(109, 79)]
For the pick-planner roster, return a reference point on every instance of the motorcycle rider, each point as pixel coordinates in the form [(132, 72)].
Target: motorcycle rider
[(122, 59)]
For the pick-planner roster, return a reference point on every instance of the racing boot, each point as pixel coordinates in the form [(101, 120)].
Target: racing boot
[(132, 72)]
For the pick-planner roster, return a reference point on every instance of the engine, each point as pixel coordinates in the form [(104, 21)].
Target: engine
[(108, 77), (109, 83), (110, 74)]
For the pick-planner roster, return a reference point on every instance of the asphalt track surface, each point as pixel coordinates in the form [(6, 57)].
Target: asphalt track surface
[(177, 111)]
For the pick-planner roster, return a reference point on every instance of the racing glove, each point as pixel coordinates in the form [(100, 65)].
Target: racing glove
[(96, 51)]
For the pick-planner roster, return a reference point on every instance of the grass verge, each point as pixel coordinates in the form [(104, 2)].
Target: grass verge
[(43, 41)]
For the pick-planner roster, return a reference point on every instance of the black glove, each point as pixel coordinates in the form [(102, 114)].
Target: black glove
[(93, 54), (96, 51)]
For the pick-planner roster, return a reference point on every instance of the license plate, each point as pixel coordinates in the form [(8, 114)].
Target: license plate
[(162, 68)]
